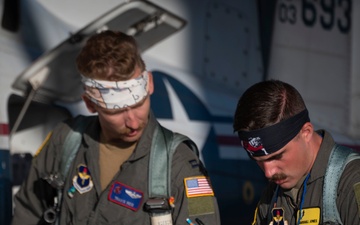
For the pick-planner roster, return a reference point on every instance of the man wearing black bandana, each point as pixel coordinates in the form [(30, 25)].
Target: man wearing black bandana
[(274, 127)]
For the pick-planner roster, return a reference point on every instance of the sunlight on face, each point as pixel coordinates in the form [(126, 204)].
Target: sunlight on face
[(286, 166), (125, 124)]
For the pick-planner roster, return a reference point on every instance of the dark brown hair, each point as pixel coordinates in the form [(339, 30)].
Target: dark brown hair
[(266, 103)]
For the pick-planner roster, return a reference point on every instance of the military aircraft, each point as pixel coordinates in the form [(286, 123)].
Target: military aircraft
[(203, 55)]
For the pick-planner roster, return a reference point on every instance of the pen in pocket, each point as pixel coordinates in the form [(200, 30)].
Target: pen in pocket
[(199, 221)]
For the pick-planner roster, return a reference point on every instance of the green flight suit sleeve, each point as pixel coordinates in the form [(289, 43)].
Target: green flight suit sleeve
[(187, 165)]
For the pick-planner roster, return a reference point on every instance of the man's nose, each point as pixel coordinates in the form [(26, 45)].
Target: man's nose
[(130, 118), (269, 168)]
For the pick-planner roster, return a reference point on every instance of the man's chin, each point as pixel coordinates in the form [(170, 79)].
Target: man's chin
[(132, 137), (286, 185)]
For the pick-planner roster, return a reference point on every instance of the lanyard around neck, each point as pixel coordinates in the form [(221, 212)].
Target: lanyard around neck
[(276, 194), (303, 197)]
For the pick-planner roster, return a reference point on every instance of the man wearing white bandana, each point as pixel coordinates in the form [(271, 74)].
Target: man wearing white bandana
[(108, 178), (312, 180), (117, 94)]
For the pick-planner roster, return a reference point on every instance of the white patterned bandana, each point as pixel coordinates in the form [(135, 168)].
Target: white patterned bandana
[(117, 94)]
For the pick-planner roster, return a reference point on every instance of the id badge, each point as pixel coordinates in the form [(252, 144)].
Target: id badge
[(165, 219), (310, 216)]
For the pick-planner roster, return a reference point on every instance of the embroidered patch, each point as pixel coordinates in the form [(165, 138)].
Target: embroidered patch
[(125, 196), (278, 215), (82, 182), (201, 206), (198, 186), (310, 216), (357, 195)]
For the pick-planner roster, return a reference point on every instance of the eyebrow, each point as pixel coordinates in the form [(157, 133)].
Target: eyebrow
[(271, 158)]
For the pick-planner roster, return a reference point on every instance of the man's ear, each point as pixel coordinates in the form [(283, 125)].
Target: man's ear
[(89, 104), (151, 83), (307, 131)]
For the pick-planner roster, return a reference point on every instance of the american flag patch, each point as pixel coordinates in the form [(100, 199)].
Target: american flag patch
[(198, 186)]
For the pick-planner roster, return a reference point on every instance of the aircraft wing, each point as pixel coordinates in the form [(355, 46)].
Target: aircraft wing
[(149, 24)]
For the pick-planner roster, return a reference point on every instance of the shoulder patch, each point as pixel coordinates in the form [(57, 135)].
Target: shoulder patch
[(198, 186), (201, 206), (43, 144), (357, 195)]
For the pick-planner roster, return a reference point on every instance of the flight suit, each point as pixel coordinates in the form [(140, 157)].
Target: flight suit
[(347, 202), (97, 207)]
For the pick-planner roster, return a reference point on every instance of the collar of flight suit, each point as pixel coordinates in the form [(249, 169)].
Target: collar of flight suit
[(320, 164)]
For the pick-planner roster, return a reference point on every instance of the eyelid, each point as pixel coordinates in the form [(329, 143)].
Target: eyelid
[(278, 156)]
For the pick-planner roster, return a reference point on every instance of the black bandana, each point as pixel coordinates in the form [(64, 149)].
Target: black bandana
[(270, 139)]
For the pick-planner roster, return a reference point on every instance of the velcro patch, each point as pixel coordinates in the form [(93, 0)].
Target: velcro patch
[(194, 163), (357, 195), (125, 196), (198, 186), (201, 206)]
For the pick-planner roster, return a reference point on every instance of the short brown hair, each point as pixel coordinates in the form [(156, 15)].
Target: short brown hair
[(266, 103), (109, 55)]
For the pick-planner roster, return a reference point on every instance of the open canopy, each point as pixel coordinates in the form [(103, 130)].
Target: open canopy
[(54, 74)]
